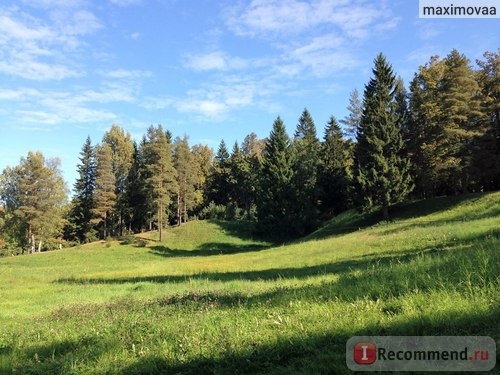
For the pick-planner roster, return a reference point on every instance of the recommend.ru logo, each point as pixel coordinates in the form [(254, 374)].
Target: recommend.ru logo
[(421, 353)]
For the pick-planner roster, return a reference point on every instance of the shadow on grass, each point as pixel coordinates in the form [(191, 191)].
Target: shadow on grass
[(207, 249), (455, 266), (321, 353), (352, 220), (317, 354)]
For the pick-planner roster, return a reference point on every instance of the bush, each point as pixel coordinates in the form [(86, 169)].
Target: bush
[(213, 211)]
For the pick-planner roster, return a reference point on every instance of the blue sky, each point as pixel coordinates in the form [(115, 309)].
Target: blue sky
[(208, 69)]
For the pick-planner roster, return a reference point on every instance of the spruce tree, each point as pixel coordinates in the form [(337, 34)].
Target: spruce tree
[(381, 170), (306, 147), (219, 184), (333, 177), (83, 201), (275, 197)]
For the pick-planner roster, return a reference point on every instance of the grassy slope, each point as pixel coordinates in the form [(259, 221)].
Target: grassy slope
[(212, 299)]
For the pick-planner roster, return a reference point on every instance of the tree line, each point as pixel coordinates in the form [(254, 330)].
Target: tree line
[(441, 137)]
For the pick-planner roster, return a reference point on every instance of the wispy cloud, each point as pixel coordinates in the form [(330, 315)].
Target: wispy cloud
[(40, 48), (216, 60), (276, 18)]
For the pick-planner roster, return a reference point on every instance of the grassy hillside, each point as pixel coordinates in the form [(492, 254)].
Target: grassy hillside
[(212, 299)]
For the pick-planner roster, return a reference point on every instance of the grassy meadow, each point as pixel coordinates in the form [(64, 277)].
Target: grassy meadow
[(213, 299)]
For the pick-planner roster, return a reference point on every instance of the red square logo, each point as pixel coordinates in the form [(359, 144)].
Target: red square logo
[(365, 353)]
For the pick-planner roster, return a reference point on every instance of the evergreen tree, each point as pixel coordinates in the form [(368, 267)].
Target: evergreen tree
[(333, 176), (161, 180), (423, 132), (219, 185), (275, 209), (83, 201), (241, 185), (485, 166), (445, 121), (352, 121), (381, 171), (34, 195), (203, 159), (186, 178), (104, 192), (122, 148), (462, 115), (306, 147), (136, 193)]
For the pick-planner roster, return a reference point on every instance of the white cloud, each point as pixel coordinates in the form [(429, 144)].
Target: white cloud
[(216, 60), (283, 18), (125, 3), (42, 48), (210, 109)]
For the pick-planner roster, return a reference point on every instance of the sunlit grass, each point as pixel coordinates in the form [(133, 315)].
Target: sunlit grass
[(211, 298)]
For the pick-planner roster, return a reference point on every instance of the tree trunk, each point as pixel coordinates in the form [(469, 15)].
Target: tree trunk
[(40, 246), (185, 213), (160, 222), (385, 212), (105, 233), (179, 208)]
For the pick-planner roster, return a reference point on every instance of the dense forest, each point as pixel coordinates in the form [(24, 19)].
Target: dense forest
[(439, 137)]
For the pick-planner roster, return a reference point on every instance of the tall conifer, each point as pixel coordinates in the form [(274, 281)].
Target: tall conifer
[(381, 169)]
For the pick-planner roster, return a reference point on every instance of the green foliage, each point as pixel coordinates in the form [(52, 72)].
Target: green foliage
[(122, 148), (219, 179), (184, 164), (275, 210), (79, 225), (213, 299), (381, 168), (104, 192), (34, 194), (161, 180), (306, 150), (446, 127), (334, 170)]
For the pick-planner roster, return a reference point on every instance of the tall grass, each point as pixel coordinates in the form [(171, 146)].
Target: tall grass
[(212, 299)]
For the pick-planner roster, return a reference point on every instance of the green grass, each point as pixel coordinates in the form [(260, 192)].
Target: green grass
[(213, 299)]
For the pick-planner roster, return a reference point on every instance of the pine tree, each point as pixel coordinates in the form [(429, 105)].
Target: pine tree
[(83, 201), (334, 176), (485, 166), (161, 180), (104, 192), (275, 197), (186, 178), (34, 194), (445, 121), (122, 148), (423, 130), (462, 115), (203, 159), (381, 170), (306, 147)]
